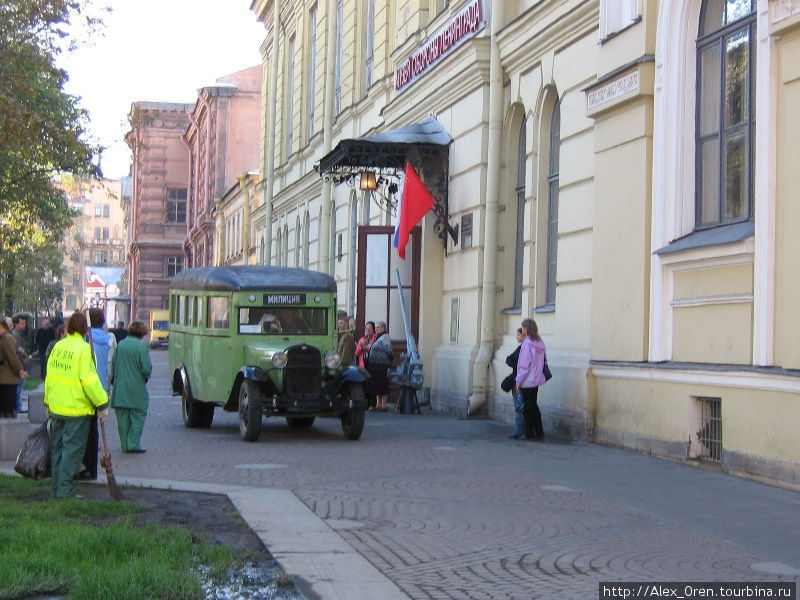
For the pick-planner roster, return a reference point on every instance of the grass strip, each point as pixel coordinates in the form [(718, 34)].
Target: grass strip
[(83, 548)]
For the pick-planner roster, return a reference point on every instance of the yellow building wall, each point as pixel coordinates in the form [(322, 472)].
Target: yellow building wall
[(620, 299), (655, 414), (710, 325), (787, 222), (718, 333)]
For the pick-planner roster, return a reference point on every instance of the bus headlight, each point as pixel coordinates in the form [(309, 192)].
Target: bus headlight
[(279, 360), (333, 360)]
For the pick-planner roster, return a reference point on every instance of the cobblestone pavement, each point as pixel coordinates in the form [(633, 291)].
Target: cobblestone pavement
[(450, 508)]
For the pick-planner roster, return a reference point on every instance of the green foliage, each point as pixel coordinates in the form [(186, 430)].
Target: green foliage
[(92, 549), (42, 133)]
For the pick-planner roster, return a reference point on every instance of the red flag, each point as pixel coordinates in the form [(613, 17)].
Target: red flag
[(414, 204)]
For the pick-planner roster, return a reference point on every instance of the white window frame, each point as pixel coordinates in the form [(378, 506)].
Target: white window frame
[(616, 15), (312, 67), (673, 203)]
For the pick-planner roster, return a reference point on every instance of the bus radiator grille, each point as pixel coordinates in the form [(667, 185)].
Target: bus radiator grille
[(303, 371)]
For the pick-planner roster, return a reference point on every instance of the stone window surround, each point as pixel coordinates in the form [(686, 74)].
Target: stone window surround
[(673, 193)]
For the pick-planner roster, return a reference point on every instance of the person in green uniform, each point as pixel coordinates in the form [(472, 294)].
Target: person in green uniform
[(131, 368), (73, 394)]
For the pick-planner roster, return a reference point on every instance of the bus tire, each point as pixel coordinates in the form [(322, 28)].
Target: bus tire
[(249, 411), (353, 418), (206, 410), (191, 410), (300, 422)]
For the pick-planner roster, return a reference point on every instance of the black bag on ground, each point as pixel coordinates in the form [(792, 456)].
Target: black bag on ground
[(33, 460)]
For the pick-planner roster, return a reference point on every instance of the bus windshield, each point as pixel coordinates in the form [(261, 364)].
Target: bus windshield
[(277, 320)]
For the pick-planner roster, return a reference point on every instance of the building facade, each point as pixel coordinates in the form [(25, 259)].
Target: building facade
[(232, 217), (95, 252), (156, 217), (620, 171), (222, 139)]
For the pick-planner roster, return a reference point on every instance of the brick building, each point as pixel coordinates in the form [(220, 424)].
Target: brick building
[(223, 143), (156, 216)]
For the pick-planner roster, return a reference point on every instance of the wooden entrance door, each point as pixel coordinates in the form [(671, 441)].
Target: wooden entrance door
[(377, 298)]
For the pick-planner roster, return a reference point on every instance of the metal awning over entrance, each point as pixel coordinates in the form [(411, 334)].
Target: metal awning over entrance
[(378, 161), (386, 150)]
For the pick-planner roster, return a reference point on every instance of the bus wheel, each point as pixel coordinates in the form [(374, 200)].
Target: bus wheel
[(249, 411), (300, 422), (206, 410), (195, 414), (353, 418)]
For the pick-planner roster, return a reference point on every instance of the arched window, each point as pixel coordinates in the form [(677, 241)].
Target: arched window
[(552, 203), (306, 227), (332, 264), (725, 125), (520, 216), (298, 234), (286, 245)]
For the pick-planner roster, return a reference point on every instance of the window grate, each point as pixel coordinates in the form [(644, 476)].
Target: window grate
[(710, 433)]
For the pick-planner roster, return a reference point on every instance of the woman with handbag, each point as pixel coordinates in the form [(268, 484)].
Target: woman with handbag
[(380, 359), (362, 356), (512, 360), (530, 375)]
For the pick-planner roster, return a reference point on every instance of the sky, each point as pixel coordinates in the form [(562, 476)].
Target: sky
[(157, 51)]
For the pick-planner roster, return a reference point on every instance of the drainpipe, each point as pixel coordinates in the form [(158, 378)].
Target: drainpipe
[(220, 250), (269, 170), (327, 139), (244, 185), (480, 368)]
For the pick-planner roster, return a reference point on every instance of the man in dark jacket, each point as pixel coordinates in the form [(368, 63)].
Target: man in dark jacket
[(44, 335)]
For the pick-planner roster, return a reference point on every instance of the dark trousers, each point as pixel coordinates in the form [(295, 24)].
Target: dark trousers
[(68, 435), (533, 418), (92, 442)]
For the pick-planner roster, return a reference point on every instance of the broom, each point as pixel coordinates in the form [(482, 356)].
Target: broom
[(105, 462)]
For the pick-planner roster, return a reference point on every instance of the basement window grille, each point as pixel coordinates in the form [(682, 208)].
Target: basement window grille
[(710, 433)]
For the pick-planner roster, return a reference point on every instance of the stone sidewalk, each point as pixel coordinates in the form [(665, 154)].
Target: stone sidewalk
[(435, 507)]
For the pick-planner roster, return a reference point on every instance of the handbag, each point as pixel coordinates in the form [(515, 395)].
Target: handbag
[(508, 383), (33, 460), (379, 358), (546, 370)]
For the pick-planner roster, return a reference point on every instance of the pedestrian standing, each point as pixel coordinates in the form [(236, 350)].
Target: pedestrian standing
[(379, 361), (103, 345), (120, 332), (131, 369), (11, 370), (519, 418), (73, 395), (20, 326), (44, 335), (530, 375), (347, 343)]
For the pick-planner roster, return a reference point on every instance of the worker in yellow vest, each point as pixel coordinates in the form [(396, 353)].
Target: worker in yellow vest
[(73, 393)]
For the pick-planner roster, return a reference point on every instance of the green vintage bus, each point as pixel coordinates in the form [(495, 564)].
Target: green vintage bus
[(260, 341)]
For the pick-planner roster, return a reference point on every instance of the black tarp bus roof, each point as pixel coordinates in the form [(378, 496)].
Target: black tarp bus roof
[(251, 278)]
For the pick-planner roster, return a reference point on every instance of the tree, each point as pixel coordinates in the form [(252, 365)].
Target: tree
[(42, 133)]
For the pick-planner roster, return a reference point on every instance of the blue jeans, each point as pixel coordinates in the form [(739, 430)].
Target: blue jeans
[(20, 385), (519, 418)]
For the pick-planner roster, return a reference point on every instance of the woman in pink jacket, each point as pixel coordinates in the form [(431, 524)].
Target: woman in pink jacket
[(530, 376)]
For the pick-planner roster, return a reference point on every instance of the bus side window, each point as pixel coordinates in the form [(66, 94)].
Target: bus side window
[(218, 312), (182, 310)]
